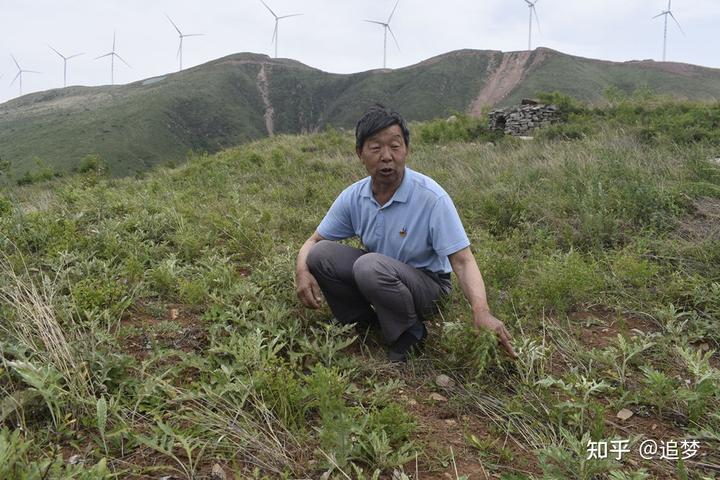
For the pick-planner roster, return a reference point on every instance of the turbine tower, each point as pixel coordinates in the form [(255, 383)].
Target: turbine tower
[(531, 7), (666, 13), (182, 35), (277, 20), (20, 72), (112, 54), (386, 29), (65, 59)]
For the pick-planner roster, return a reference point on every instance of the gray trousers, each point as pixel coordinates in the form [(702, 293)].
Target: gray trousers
[(359, 285)]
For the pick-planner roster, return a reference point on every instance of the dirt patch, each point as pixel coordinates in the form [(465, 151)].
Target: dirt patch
[(179, 329), (659, 431), (704, 223), (601, 328), (262, 84), (445, 433), (506, 71)]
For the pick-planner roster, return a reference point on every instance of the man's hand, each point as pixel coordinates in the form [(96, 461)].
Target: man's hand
[(465, 267), (308, 290), (306, 287), (488, 321)]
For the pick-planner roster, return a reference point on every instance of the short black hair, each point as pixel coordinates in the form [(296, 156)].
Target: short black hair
[(376, 118)]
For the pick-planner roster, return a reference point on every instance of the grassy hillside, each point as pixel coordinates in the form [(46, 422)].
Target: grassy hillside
[(587, 80), (150, 326), (133, 126), (224, 103)]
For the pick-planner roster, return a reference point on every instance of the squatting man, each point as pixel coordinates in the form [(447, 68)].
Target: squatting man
[(412, 236)]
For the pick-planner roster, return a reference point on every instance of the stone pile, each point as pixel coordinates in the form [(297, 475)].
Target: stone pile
[(521, 120)]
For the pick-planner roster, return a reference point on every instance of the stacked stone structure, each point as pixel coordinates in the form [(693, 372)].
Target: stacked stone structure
[(522, 119)]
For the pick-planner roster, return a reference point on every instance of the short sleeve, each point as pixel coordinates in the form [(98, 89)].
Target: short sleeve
[(337, 224), (446, 231)]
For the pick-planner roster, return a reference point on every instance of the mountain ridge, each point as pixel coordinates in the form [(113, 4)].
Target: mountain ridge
[(245, 96)]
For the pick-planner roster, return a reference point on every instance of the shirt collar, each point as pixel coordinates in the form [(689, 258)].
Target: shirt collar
[(401, 194)]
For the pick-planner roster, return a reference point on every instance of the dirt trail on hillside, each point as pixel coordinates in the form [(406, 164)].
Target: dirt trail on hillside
[(262, 84), (503, 78)]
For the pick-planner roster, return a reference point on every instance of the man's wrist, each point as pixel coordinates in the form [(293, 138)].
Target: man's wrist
[(481, 310), (299, 271)]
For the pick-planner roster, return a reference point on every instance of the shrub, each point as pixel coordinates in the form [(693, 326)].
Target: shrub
[(41, 173), (565, 103), (6, 206), (92, 163), (462, 129)]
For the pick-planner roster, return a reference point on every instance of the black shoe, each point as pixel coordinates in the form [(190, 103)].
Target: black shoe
[(364, 325), (406, 344)]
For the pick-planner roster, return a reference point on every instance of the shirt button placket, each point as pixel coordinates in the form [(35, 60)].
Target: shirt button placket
[(380, 224)]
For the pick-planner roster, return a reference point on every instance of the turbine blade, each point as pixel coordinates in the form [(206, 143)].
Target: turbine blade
[(16, 77), (379, 23), (660, 14), (76, 55), (537, 20), (16, 62), (288, 16), (102, 56), (31, 71), (393, 11), (393, 36), (528, 2), (177, 54), (113, 40), (194, 35), (173, 24), (123, 60), (61, 55), (274, 32), (269, 9), (678, 23)]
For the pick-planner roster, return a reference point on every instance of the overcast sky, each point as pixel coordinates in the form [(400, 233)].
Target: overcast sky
[(331, 34)]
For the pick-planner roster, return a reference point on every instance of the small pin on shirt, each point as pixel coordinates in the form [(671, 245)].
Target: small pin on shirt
[(403, 232)]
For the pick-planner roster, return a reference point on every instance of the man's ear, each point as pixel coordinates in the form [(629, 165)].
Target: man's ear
[(358, 151)]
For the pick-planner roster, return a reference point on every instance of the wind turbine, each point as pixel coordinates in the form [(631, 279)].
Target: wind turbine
[(20, 72), (386, 29), (179, 52), (531, 7), (277, 20), (666, 13), (112, 56), (65, 59)]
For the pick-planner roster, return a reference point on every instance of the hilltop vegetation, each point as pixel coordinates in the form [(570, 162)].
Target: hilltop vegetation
[(150, 326), (244, 97)]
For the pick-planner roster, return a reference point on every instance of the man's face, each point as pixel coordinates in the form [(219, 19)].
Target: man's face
[(383, 155)]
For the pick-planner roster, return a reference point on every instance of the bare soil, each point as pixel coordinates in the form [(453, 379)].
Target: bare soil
[(262, 84), (504, 77), (190, 336), (601, 328), (704, 223)]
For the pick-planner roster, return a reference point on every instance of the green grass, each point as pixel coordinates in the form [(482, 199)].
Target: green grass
[(150, 324)]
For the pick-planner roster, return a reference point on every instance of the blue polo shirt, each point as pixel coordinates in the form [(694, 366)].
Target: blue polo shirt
[(419, 225)]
